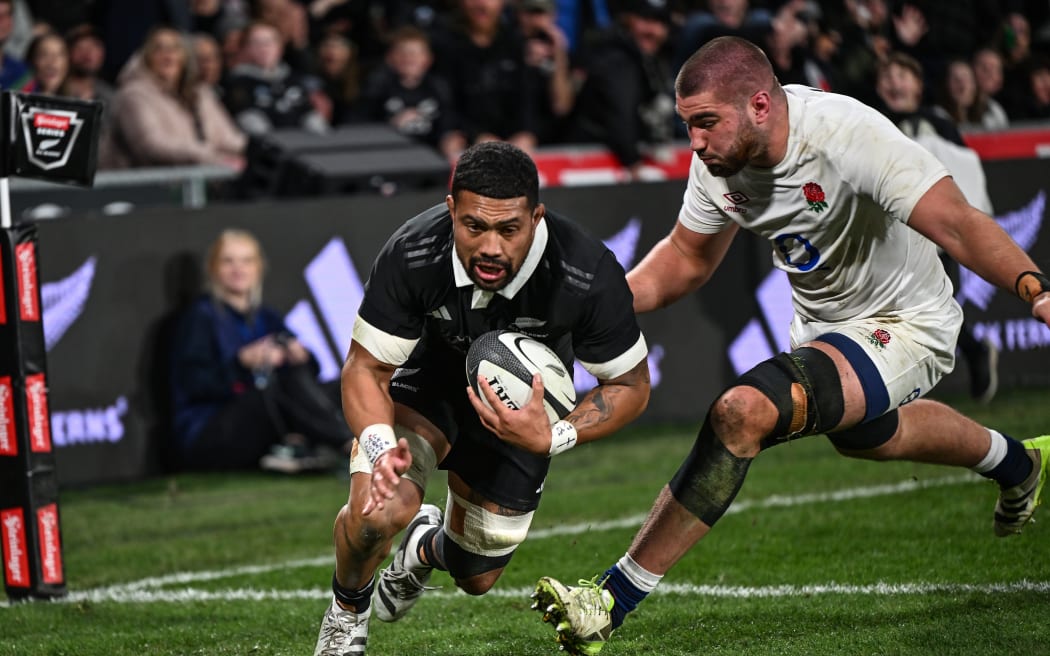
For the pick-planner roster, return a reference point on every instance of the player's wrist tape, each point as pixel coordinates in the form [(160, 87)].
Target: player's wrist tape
[(376, 440), (563, 437), (1031, 284)]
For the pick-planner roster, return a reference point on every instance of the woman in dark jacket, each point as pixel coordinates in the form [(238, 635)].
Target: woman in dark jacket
[(245, 392)]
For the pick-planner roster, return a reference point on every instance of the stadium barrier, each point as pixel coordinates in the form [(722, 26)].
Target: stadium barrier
[(113, 283)]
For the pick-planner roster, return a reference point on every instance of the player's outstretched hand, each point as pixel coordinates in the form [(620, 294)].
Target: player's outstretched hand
[(527, 428), (1041, 308), (386, 476)]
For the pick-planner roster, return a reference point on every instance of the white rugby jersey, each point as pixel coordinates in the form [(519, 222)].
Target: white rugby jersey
[(835, 211)]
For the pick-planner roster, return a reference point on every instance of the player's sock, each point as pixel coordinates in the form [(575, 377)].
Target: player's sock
[(357, 601), (629, 583), (431, 545), (1007, 463)]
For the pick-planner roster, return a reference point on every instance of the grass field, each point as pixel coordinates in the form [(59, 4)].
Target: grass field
[(820, 555)]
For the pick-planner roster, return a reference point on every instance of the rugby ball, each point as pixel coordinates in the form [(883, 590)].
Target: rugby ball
[(507, 360)]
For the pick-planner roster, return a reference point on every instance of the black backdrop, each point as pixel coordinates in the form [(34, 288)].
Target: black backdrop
[(114, 282)]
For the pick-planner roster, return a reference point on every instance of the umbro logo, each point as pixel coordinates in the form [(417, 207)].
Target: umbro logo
[(736, 197)]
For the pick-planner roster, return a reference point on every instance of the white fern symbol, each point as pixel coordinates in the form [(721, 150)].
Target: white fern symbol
[(1023, 225), (64, 300)]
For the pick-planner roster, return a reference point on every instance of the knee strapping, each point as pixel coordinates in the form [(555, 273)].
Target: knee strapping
[(804, 386), (709, 479), (477, 540), (463, 564)]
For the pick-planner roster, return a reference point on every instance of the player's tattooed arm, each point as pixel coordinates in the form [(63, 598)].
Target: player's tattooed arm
[(612, 404)]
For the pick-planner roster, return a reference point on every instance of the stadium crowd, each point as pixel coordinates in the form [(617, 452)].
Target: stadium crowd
[(189, 81)]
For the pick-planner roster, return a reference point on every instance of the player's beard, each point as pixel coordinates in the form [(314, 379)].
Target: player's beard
[(490, 262), (737, 156)]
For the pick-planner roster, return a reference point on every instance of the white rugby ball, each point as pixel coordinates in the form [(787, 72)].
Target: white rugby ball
[(507, 360)]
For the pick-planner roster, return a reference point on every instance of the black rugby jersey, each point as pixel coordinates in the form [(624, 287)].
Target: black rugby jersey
[(570, 293)]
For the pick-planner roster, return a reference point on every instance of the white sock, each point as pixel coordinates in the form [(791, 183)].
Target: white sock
[(412, 561), (995, 455), (639, 577)]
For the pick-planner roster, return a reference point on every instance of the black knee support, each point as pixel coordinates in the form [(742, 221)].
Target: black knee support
[(463, 564), (709, 478), (869, 435), (804, 386)]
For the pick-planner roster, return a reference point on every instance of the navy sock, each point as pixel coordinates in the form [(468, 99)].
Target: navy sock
[(358, 600), (1015, 467), (626, 594)]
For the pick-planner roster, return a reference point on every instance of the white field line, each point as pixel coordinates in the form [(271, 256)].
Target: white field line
[(145, 590), (679, 589)]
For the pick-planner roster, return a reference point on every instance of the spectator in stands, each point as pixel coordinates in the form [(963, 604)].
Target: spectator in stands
[(244, 389), (14, 74), (483, 59), (1014, 40), (48, 60), (900, 89), (125, 24), (406, 94), (293, 26), (547, 60), (627, 100), (341, 76), (86, 56), (788, 46), (1035, 105), (965, 104), (213, 16), (988, 73), (721, 18), (867, 38), (231, 42), (899, 86), (950, 29), (263, 92), (365, 23), (208, 55), (164, 116)]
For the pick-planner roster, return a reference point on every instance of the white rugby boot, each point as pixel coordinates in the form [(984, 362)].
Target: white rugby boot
[(343, 633), (398, 588)]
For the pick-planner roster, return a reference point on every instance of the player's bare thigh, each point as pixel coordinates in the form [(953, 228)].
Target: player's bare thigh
[(853, 402)]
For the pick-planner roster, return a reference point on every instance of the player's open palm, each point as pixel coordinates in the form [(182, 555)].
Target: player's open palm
[(528, 427), (386, 476)]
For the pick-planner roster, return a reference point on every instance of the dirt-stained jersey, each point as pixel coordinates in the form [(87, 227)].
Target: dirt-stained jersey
[(835, 210), (570, 293)]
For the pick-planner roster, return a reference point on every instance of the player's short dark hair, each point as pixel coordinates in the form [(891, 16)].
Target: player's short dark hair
[(497, 169), (729, 66)]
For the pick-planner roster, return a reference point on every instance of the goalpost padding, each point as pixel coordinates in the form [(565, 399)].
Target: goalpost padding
[(29, 515)]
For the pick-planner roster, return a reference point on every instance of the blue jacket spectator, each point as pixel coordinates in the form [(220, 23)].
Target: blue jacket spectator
[(244, 390)]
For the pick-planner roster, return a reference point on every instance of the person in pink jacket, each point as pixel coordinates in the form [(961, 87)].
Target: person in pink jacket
[(163, 116)]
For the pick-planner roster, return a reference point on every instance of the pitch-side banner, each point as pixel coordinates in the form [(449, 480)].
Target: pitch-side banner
[(112, 284)]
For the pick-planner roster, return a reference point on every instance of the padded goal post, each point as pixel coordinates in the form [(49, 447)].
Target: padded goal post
[(53, 139)]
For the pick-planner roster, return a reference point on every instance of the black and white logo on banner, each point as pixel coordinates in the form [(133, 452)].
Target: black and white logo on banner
[(51, 138), (50, 135)]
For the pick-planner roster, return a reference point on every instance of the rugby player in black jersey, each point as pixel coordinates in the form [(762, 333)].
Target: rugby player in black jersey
[(490, 257)]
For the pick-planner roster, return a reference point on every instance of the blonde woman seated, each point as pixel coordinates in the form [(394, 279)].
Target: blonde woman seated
[(244, 389), (164, 116)]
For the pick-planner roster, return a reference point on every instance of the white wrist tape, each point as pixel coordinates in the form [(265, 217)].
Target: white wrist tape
[(376, 440), (563, 437)]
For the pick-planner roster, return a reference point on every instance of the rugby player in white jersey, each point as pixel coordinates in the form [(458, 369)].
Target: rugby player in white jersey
[(490, 257), (853, 210)]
